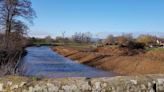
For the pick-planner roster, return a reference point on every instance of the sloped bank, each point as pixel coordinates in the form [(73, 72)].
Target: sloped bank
[(118, 60), (149, 83)]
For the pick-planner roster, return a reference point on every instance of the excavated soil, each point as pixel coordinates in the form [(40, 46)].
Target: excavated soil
[(118, 60)]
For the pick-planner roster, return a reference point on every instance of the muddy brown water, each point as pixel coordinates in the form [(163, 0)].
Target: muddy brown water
[(43, 62)]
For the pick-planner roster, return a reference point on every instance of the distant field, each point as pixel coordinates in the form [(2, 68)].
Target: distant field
[(76, 45)]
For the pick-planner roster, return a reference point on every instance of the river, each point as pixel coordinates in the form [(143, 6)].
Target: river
[(43, 62)]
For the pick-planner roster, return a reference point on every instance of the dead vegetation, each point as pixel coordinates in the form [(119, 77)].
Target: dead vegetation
[(9, 57), (13, 14)]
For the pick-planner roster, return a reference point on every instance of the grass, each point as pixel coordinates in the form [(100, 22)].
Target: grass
[(76, 45), (157, 49)]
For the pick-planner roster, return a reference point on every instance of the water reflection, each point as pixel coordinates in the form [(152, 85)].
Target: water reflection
[(43, 62)]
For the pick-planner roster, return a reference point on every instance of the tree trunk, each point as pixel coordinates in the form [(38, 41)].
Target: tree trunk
[(7, 34)]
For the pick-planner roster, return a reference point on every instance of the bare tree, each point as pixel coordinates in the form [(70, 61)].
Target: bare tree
[(124, 39), (109, 40), (82, 37), (11, 11), (63, 34), (19, 30), (48, 39)]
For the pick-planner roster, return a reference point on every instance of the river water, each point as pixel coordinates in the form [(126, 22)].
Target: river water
[(43, 62)]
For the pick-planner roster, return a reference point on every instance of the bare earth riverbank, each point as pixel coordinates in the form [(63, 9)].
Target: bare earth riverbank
[(118, 60)]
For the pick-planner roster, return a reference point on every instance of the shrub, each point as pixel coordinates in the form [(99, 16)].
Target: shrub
[(135, 45), (146, 39)]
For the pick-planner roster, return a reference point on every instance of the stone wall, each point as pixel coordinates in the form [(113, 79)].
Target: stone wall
[(149, 83)]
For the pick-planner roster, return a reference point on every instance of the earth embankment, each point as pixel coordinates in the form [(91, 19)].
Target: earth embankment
[(119, 60)]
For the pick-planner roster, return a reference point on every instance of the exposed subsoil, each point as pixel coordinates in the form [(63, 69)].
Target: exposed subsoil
[(118, 60)]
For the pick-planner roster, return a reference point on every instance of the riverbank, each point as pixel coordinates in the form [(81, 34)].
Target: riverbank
[(148, 83), (9, 60), (12, 48), (118, 60)]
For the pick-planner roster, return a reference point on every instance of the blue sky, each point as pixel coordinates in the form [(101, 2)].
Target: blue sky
[(100, 17)]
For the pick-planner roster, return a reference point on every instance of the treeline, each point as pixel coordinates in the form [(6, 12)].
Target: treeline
[(35, 40), (81, 38), (78, 37), (128, 40), (124, 40), (13, 32)]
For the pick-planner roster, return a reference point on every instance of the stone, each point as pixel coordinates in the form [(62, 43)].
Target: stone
[(1, 87), (9, 83), (31, 89), (14, 87), (143, 86), (97, 85), (104, 85), (69, 88), (110, 84), (160, 84), (134, 81), (85, 87), (22, 84), (38, 88)]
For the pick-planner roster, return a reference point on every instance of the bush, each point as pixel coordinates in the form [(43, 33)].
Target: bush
[(146, 39), (124, 39), (135, 45)]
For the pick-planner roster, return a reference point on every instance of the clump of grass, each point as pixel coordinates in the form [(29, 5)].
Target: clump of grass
[(156, 54), (157, 49)]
